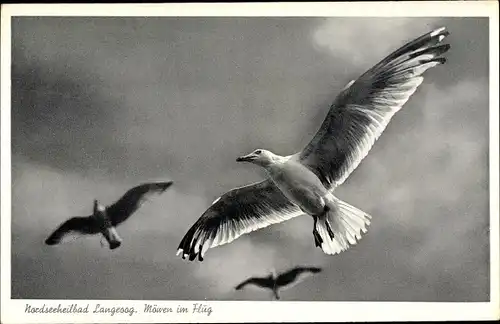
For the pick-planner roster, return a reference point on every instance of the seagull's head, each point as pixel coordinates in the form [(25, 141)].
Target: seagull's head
[(98, 208), (100, 215), (260, 157)]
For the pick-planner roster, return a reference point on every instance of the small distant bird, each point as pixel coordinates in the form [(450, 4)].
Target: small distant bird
[(105, 219), (303, 183), (284, 280)]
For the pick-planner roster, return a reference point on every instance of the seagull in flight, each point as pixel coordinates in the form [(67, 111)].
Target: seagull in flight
[(275, 282), (105, 219), (303, 183)]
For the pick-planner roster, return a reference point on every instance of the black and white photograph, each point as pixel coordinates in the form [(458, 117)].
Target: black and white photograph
[(174, 166)]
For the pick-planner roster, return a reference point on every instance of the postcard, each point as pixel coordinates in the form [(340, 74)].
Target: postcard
[(249, 162)]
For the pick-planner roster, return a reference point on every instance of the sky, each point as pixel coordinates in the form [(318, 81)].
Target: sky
[(102, 104)]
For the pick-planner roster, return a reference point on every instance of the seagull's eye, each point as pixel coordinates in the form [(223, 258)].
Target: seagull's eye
[(258, 151)]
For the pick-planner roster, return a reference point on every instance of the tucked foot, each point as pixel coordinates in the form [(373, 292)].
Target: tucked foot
[(318, 240), (329, 229)]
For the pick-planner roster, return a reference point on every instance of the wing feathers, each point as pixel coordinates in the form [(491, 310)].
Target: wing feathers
[(362, 111), (415, 57), (260, 282), (133, 199), (294, 276), (79, 225), (237, 212), (425, 41)]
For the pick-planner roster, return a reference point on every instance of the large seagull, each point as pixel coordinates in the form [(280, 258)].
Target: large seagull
[(303, 183)]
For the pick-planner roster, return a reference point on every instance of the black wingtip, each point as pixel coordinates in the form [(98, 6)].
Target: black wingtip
[(164, 186), (427, 40), (435, 50), (193, 256), (441, 31), (50, 241), (440, 60), (200, 257), (443, 48)]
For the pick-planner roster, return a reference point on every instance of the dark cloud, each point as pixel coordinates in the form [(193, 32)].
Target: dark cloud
[(101, 104)]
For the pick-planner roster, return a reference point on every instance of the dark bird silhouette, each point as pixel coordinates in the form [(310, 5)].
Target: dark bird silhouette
[(286, 279), (105, 219), (303, 183)]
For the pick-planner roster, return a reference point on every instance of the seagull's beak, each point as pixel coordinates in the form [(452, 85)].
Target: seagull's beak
[(246, 158)]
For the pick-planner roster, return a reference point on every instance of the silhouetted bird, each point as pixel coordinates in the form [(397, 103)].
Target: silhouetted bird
[(286, 279), (104, 219), (303, 183)]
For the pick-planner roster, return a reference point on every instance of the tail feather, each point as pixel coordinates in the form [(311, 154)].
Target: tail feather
[(347, 223), (111, 235), (276, 295)]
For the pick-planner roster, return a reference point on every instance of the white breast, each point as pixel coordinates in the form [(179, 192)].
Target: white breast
[(300, 185)]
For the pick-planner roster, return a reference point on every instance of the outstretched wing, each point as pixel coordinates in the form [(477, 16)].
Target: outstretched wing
[(237, 212), (261, 282), (75, 225), (133, 199), (361, 112), (295, 275)]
